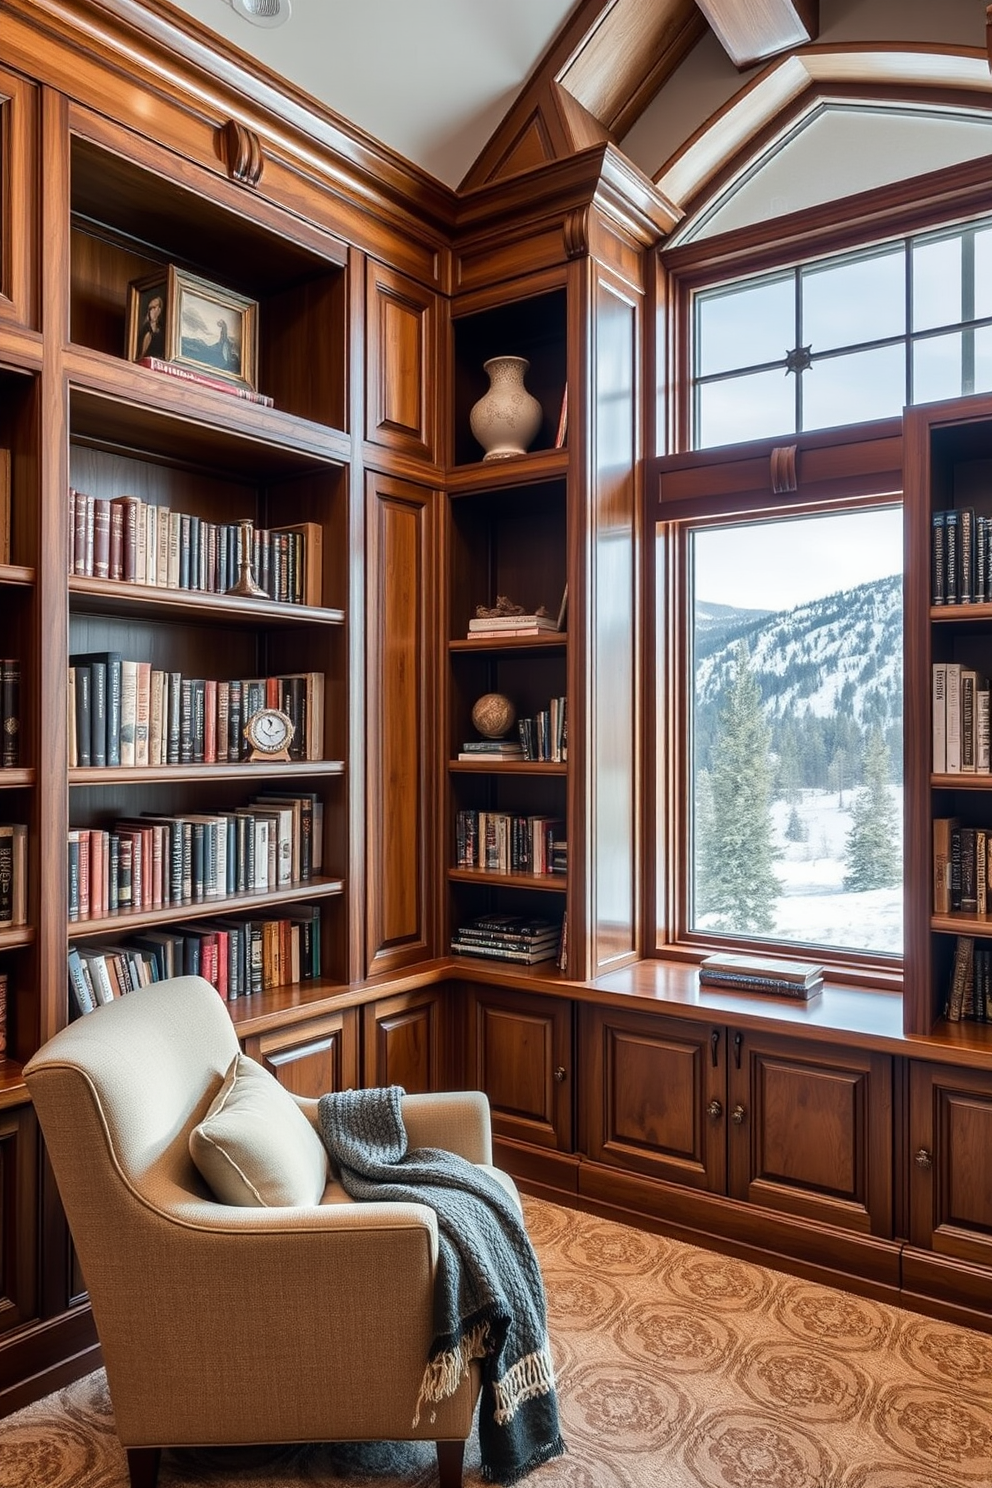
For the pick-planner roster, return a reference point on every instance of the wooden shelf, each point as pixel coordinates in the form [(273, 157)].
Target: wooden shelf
[(114, 597), (518, 470), (970, 780), (17, 778), (545, 882), (12, 936), (16, 574), (553, 640), (508, 767), (264, 773), (126, 920)]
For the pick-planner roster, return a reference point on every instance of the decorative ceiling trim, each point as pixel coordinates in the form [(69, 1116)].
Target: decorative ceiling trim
[(771, 96), (752, 33)]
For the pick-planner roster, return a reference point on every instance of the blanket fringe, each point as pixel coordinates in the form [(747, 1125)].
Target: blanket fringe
[(444, 1374), (532, 1375)]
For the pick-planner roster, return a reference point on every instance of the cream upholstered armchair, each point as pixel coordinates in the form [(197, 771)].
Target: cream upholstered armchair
[(224, 1324)]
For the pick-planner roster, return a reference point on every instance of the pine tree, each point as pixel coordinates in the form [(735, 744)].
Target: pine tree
[(735, 850), (873, 858)]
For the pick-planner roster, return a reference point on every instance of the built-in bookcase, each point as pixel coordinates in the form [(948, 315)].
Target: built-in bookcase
[(948, 468), (507, 536), (223, 461)]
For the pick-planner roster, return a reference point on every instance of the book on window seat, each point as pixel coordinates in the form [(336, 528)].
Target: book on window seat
[(799, 979)]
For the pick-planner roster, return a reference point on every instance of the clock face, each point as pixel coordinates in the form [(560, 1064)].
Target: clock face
[(269, 731)]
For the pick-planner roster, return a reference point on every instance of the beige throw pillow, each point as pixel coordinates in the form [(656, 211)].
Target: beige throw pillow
[(255, 1147)]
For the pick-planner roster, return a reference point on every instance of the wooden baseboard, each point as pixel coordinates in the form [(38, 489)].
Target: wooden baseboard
[(47, 1356)]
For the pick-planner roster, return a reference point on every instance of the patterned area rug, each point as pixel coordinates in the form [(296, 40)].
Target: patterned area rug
[(677, 1368)]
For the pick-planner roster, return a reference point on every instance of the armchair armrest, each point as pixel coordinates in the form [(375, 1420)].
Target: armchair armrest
[(457, 1120)]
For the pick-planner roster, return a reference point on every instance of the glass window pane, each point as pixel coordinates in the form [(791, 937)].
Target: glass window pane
[(983, 360), (937, 368), (861, 299), (749, 407), (745, 326), (796, 731), (855, 388), (936, 283), (983, 273)]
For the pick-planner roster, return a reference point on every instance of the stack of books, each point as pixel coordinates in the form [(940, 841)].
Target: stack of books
[(510, 625), (799, 979), (491, 749), (505, 937)]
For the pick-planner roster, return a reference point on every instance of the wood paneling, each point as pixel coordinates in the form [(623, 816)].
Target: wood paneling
[(810, 1132), (653, 1093), (403, 1042), (401, 357), (950, 1176), (401, 751), (520, 1054), (311, 1058), (18, 1217)]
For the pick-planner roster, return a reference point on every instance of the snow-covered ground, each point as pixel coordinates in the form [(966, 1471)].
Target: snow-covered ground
[(814, 907)]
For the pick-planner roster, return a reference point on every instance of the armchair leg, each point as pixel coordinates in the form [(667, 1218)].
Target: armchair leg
[(450, 1455), (142, 1466)]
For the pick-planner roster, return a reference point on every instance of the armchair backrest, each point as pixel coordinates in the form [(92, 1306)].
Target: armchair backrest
[(118, 1091)]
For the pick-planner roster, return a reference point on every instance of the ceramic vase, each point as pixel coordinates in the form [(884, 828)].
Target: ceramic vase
[(507, 417)]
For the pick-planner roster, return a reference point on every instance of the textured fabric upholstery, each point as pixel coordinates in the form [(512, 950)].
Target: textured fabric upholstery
[(234, 1325)]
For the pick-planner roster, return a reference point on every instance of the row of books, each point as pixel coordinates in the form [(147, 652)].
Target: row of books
[(129, 713), (969, 991), (542, 737), (13, 874), (961, 867), (960, 557), (238, 956), (151, 862), (501, 842), (137, 542), (960, 711), (10, 712), (507, 937)]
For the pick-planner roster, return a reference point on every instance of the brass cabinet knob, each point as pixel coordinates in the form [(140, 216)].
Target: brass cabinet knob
[(737, 1115), (924, 1159), (560, 1073), (714, 1109)]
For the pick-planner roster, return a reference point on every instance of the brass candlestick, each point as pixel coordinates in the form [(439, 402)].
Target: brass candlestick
[(246, 584)]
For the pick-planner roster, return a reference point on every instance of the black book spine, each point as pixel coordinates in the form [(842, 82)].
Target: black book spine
[(84, 726), (10, 711)]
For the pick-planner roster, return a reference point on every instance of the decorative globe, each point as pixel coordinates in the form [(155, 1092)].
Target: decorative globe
[(493, 714)]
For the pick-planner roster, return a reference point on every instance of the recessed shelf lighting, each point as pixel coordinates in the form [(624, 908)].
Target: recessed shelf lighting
[(263, 12)]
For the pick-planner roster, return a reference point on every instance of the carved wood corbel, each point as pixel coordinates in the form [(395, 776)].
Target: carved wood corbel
[(575, 230), (243, 153), (784, 472)]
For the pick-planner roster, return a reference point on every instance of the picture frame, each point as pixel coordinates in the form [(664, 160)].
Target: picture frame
[(192, 323)]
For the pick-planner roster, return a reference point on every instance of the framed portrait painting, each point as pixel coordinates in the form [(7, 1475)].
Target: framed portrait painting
[(192, 323)]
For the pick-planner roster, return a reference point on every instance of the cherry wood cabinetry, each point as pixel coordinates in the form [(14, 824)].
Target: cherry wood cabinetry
[(404, 1041), (520, 1052), (803, 1130), (314, 1057), (19, 1290), (950, 1182)]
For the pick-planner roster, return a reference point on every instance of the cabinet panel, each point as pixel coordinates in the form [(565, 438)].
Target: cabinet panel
[(951, 1176), (400, 371), (400, 825), (653, 1096), (18, 153), (810, 1131), (312, 1058), (18, 1217), (520, 1054), (402, 1041)]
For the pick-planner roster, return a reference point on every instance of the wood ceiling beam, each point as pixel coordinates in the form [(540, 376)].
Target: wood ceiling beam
[(611, 57), (751, 31)]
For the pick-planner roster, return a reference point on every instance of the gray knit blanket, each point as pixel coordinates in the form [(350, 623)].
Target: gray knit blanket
[(489, 1301)]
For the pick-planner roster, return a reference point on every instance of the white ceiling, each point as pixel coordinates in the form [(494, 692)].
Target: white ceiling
[(430, 78)]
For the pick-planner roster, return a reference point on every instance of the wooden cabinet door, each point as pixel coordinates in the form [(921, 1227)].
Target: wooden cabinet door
[(402, 1042), (18, 1217), (654, 1096), (810, 1130), (520, 1054), (401, 363), (950, 1183), (312, 1058)]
